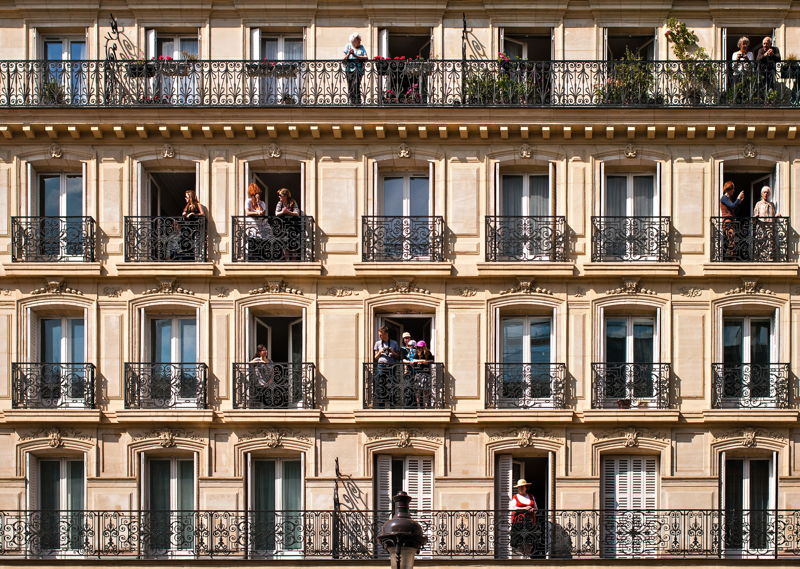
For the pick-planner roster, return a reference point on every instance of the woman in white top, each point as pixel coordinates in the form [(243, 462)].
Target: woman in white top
[(743, 56), (257, 229), (523, 518)]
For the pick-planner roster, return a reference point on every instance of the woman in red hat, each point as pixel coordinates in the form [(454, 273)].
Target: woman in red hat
[(523, 518)]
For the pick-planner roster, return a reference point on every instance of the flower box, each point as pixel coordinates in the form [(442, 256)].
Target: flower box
[(389, 66), (142, 69)]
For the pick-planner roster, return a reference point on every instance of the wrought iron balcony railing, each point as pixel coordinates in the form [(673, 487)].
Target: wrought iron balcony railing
[(404, 386), (165, 385), (750, 386), (518, 238), (630, 385), (750, 239), (525, 386), (47, 239), (175, 536), (631, 239), (402, 238), (52, 385), (273, 239), (168, 239), (435, 83), (274, 385)]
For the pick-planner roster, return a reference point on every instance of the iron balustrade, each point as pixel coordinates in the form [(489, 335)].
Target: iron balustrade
[(45, 385), (394, 83), (750, 239), (167, 239), (525, 386), (174, 536), (273, 238), (276, 385), (402, 238), (750, 386), (631, 238), (404, 386), (630, 385), (519, 238), (160, 385), (49, 239)]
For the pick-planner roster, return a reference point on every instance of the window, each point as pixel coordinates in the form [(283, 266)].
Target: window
[(747, 354), (749, 504), (639, 42), (730, 39), (174, 375), (527, 373), (62, 356), (60, 204), (629, 373), (412, 474), (629, 487), (409, 43), (405, 204), (170, 501), (532, 44), (276, 490), (525, 229), (57, 493), (177, 80), (65, 71), (534, 469), (276, 80)]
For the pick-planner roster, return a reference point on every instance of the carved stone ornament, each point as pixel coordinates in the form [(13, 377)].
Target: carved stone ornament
[(273, 437), (113, 292), (222, 291), (167, 151), (168, 286), (274, 151), (749, 286), (580, 292), (630, 436), (403, 437), (403, 287), (630, 286), (276, 287), (749, 151), (631, 151), (56, 286), (527, 286), (467, 291), (525, 151), (749, 436), (340, 291), (404, 151), (166, 437), (689, 291), (55, 436), (5, 292), (56, 151), (524, 436)]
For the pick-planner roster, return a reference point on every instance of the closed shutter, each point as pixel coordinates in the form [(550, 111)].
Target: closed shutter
[(31, 518), (419, 481), (383, 483), (629, 487), (503, 479)]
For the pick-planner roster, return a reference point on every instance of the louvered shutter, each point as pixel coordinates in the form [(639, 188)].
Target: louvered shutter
[(32, 517), (383, 483), (503, 479), (419, 482)]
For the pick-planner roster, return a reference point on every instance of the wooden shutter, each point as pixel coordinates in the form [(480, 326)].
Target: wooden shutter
[(503, 481), (383, 483), (776, 187), (657, 191), (150, 43), (602, 210), (255, 44), (32, 488), (419, 477), (383, 42)]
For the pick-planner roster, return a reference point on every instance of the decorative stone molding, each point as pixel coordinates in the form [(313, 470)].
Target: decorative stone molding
[(580, 292), (340, 291), (749, 151), (273, 151), (403, 287), (630, 286), (527, 286), (403, 436), (166, 436), (631, 151), (168, 286), (222, 292), (466, 291), (276, 287), (56, 286), (56, 151), (167, 151), (5, 292), (630, 435), (690, 291), (273, 437), (749, 436), (749, 286), (404, 151), (55, 436), (524, 436), (525, 151), (113, 292)]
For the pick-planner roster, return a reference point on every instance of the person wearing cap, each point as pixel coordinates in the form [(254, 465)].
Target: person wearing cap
[(410, 352), (405, 339), (523, 517)]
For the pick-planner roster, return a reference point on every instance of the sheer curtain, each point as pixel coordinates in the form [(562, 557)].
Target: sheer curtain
[(539, 196), (512, 196), (643, 198), (616, 196)]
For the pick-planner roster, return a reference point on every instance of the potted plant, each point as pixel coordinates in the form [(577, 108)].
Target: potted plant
[(261, 68), (695, 76), (287, 99), (386, 65), (140, 68), (623, 403), (629, 81), (53, 93)]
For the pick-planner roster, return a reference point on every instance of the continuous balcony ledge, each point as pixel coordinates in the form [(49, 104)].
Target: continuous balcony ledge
[(161, 416), (751, 415), (517, 415), (626, 268), (241, 416), (166, 269), (555, 269), (410, 269), (630, 415), (739, 269), (255, 269), (56, 416), (69, 268), (401, 416)]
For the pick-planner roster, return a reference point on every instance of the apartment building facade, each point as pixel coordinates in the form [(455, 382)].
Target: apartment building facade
[(548, 221)]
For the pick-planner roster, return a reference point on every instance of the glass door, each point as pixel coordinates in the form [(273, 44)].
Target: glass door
[(61, 206), (526, 357), (630, 351), (175, 373), (179, 77), (405, 203), (62, 501), (276, 503), (629, 200), (747, 355), (749, 506), (526, 207), (63, 377), (171, 505), (65, 72), (281, 80)]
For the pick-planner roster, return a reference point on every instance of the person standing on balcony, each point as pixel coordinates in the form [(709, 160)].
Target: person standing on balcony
[(727, 210), (257, 231), (523, 518), (764, 228), (764, 207), (193, 209), (354, 56), (741, 67), (263, 372), (385, 390), (288, 212), (766, 58)]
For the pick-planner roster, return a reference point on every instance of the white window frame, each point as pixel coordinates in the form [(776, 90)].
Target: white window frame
[(279, 506), (175, 347), (173, 492), (773, 492), (630, 321), (66, 41), (629, 197), (526, 190), (526, 337), (406, 177), (774, 348)]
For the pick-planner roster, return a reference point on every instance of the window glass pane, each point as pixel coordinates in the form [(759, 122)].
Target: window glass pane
[(296, 331), (398, 476), (512, 196), (540, 341), (75, 485), (759, 485), (292, 488), (74, 195), (77, 340), (269, 48), (159, 485), (643, 342), (51, 339), (189, 47), (162, 340), (188, 340), (165, 47), (293, 48), (616, 332), (732, 341), (540, 196), (393, 196), (77, 50), (50, 195), (513, 330), (419, 196), (50, 486), (734, 477), (264, 485), (643, 198), (185, 484), (616, 196), (759, 342), (53, 50)]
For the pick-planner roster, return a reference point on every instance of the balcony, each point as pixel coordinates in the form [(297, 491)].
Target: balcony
[(459, 535), (636, 239), (630, 385), (525, 239), (45, 239), (525, 386), (404, 386), (165, 385), (52, 385), (402, 239), (749, 239), (274, 386), (165, 239), (750, 386), (435, 83), (273, 239)]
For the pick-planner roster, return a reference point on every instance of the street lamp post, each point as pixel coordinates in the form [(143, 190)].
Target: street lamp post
[(401, 536)]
